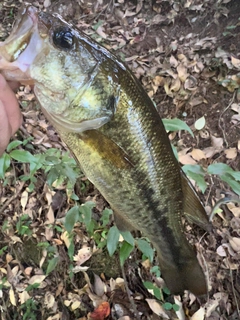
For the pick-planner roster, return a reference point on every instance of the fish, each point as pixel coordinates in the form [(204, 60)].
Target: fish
[(113, 130)]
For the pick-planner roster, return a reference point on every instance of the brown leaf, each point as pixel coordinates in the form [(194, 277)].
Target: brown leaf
[(101, 312), (231, 153), (198, 154)]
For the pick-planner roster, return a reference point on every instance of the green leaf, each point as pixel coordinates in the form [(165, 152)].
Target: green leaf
[(22, 156), (14, 144), (158, 293), (71, 218), (166, 290), (219, 168), (167, 306), (125, 251), (232, 183), (4, 164), (196, 173), (112, 240), (86, 213), (71, 249), (176, 125), (149, 285), (52, 264), (106, 216), (127, 236), (175, 307), (146, 249), (156, 270), (200, 123)]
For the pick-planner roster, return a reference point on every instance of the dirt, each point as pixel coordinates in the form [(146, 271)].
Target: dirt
[(155, 38)]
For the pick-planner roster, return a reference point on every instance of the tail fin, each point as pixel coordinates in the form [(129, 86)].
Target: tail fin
[(185, 277)]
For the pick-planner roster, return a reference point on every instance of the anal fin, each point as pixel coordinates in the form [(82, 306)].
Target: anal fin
[(193, 208)]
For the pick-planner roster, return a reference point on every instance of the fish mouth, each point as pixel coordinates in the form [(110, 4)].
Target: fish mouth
[(20, 49)]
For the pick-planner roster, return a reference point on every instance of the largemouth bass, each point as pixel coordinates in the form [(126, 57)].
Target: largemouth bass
[(114, 132)]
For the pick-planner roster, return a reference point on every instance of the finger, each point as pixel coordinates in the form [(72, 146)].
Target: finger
[(14, 85), (5, 129), (10, 102)]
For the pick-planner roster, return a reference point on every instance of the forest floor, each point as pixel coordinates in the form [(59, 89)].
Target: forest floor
[(187, 56)]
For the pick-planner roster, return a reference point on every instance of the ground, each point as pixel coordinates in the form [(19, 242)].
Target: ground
[(186, 54)]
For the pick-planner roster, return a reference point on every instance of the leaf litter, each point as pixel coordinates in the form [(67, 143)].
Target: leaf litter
[(190, 71)]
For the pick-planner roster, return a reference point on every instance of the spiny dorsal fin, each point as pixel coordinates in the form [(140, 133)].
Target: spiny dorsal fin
[(193, 208)]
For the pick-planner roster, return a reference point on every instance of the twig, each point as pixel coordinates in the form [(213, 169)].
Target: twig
[(129, 296), (13, 197), (220, 117), (233, 289)]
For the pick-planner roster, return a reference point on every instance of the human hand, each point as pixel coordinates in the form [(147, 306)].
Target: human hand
[(10, 114)]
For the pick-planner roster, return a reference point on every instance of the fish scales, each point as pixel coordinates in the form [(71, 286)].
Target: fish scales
[(114, 132)]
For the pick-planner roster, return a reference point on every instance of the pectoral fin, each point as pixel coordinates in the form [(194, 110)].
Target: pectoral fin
[(193, 208), (107, 149)]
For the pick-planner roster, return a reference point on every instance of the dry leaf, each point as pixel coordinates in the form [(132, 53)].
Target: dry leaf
[(101, 312), (221, 251), (12, 297), (217, 142), (23, 296), (24, 199), (83, 255), (187, 159), (49, 300), (182, 73), (235, 243), (157, 308), (180, 313), (231, 153), (36, 279), (198, 154), (75, 305), (98, 286), (235, 62), (199, 315), (65, 238)]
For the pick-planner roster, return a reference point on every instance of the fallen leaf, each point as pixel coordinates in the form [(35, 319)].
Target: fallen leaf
[(200, 123), (199, 315), (23, 296), (75, 305), (180, 313), (12, 297), (221, 251), (217, 142), (36, 279), (198, 154), (187, 159), (101, 312), (157, 308), (24, 199), (83, 255), (231, 153), (235, 243), (182, 72), (49, 300), (235, 62)]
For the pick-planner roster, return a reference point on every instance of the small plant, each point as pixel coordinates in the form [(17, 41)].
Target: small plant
[(58, 166), (23, 225), (28, 310)]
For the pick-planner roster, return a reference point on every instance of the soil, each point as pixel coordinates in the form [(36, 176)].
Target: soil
[(186, 55)]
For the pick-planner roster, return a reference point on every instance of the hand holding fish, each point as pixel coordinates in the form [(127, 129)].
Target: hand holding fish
[(10, 115)]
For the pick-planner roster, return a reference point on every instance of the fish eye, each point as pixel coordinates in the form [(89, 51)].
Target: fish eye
[(63, 38)]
